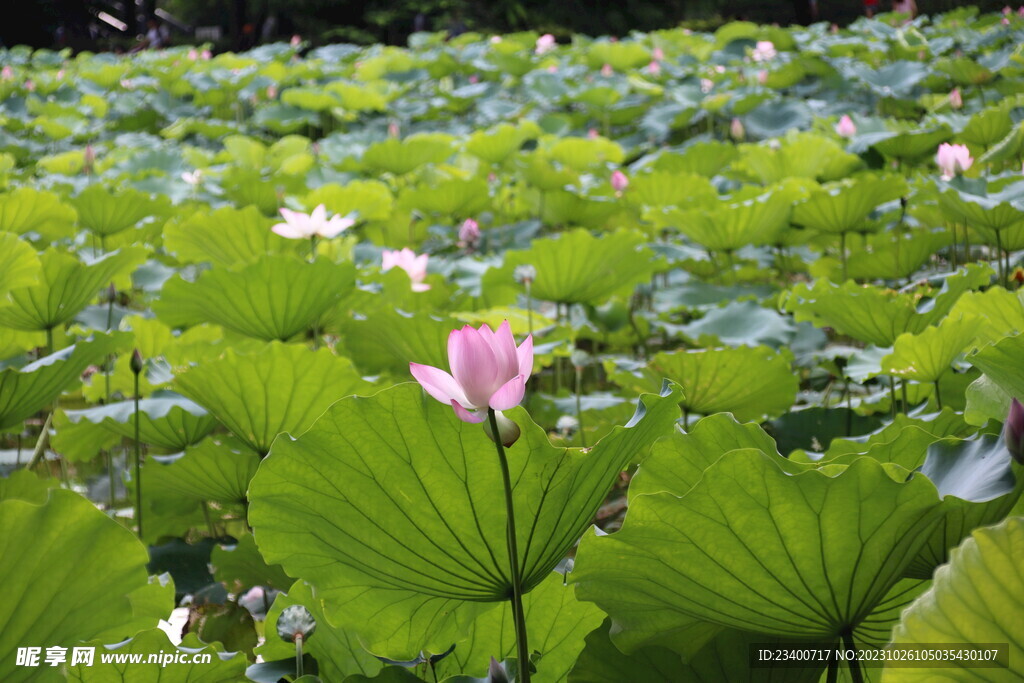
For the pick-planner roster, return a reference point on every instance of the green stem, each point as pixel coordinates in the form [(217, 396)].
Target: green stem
[(892, 394), (111, 479), (529, 307), (138, 467), (842, 253), (999, 257), (938, 397), (49, 341), (854, 665), (298, 656), (44, 437), (312, 248), (522, 648), (579, 410), (833, 671)]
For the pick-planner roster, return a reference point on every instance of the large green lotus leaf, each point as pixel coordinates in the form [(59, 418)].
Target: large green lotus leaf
[(282, 388), (25, 390), (670, 188), (450, 197), (976, 482), (741, 323), (223, 667), (987, 127), (496, 144), (582, 154), (891, 257), (752, 547), (556, 625), (337, 650), (986, 401), (370, 199), (402, 156), (171, 422), (26, 210), (895, 79), (1001, 363), (620, 55), (395, 491), (976, 598), (964, 71), (705, 158), (577, 267), (677, 463), (844, 207), (210, 471), (225, 237), (987, 214), (749, 382), (275, 298), (19, 264), (913, 143), (105, 213), (24, 484), (69, 570), (245, 186), (602, 662), (309, 98), (66, 287), (925, 357), (735, 225), (775, 118), (387, 339), (999, 313), (903, 441), (807, 155), (562, 207), (1006, 149), (875, 315), (240, 566), (539, 172)]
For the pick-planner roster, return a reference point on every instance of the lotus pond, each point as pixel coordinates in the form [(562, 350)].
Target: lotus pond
[(760, 288)]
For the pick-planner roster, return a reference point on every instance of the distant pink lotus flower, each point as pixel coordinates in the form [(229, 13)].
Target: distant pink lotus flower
[(7, 73), (545, 43), (956, 100), (619, 182), (495, 40), (206, 54), (415, 266), (736, 130), (300, 225), (469, 233), (552, 69), (193, 55), (488, 371), (846, 128), (193, 178), (658, 54), (953, 159), (606, 70), (763, 51), (271, 92), (296, 40), (30, 85), (393, 130), (1020, 11), (706, 85), (654, 68), (473, 78), (1007, 11), (592, 133), (762, 76), (60, 74)]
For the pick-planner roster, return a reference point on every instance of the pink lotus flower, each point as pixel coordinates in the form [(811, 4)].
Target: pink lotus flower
[(299, 225), (393, 130), (762, 76), (271, 92), (763, 51), (414, 266), (619, 181), (953, 159), (488, 371), (654, 68), (206, 54), (606, 70), (552, 69), (846, 128), (469, 233), (545, 43), (296, 40), (193, 55), (706, 85), (30, 86), (473, 78), (658, 54), (7, 73), (736, 130), (956, 100)]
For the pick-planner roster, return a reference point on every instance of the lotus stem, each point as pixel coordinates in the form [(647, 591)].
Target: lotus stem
[(854, 665), (138, 467), (938, 396), (44, 437), (999, 257), (842, 253), (892, 394), (833, 671), (298, 656), (519, 616), (579, 410)]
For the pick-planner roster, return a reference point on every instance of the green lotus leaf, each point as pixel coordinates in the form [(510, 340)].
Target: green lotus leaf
[(24, 484), (539, 172), (25, 390), (223, 667), (984, 213), (387, 339), (283, 388), (171, 422), (274, 298), (891, 257), (774, 118), (677, 463), (704, 158), (1001, 363), (987, 127), (602, 662), (973, 599), (309, 98), (577, 267), (402, 156), (903, 441), (556, 625), (735, 225), (845, 207), (925, 357), (240, 565), (337, 650), (371, 199), (353, 489), (741, 323), (670, 188), (451, 197), (362, 96), (964, 71), (247, 187), (209, 471), (582, 154), (66, 287), (986, 401), (1006, 149), (19, 264), (976, 482), (25, 210), (874, 315), (562, 207), (804, 156), (999, 314), (749, 382), (752, 547), (497, 144), (225, 237), (913, 144), (895, 79), (64, 552), (620, 55), (106, 213)]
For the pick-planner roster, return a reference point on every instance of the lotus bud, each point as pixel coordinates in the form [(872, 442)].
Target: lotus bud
[(507, 429), (956, 100), (496, 674), (7, 73), (658, 54), (846, 128), (654, 68), (619, 181), (393, 130), (294, 623), (296, 40), (545, 43), (592, 133), (736, 130), (469, 233), (89, 158), (206, 55), (953, 159), (606, 70), (1013, 431), (136, 362)]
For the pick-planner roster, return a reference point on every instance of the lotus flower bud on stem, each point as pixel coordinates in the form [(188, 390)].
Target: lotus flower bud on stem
[(1013, 431), (846, 128), (619, 182), (736, 130), (136, 363)]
